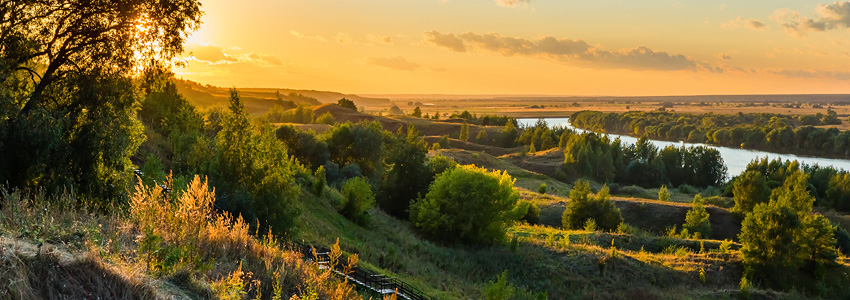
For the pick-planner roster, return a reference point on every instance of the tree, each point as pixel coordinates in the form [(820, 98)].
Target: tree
[(361, 144), (253, 172), (749, 190), (779, 237), (582, 208), (467, 204), (663, 194), (417, 112), (68, 103), (345, 103), (464, 132), (481, 138), (696, 221), (407, 177), (357, 200)]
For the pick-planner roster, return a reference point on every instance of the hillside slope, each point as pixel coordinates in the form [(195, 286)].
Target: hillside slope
[(259, 100)]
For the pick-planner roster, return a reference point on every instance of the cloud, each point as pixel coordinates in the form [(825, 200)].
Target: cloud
[(829, 17), (448, 40), (308, 36), (210, 53), (812, 74), (396, 63), (215, 55), (564, 50), (380, 39), (740, 22), (513, 3), (723, 56)]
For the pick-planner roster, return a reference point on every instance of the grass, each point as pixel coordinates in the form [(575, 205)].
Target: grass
[(168, 245)]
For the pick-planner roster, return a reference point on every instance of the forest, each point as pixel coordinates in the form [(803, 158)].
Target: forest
[(761, 131)]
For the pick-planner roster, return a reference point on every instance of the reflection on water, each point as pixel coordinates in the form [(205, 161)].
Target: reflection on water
[(736, 159)]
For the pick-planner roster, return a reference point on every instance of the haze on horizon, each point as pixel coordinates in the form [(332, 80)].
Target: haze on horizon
[(627, 48)]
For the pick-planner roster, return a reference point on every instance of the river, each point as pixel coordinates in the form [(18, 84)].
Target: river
[(736, 159)]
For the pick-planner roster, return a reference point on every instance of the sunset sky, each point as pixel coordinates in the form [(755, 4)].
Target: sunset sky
[(551, 47)]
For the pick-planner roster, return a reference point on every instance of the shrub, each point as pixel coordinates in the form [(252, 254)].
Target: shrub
[(326, 118), (500, 289), (357, 199), (582, 207), (321, 181), (542, 188), (696, 221), (527, 211), (687, 189), (467, 204), (663, 194), (440, 163), (635, 191)]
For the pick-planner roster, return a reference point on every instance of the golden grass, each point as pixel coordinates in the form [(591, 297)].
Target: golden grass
[(164, 246)]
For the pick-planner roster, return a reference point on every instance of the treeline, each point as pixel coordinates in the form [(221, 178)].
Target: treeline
[(600, 158), (830, 187), (763, 131)]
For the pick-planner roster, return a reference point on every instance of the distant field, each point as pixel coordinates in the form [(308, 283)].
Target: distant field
[(563, 107)]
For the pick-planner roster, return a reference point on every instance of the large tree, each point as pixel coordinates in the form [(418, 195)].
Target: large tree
[(67, 98)]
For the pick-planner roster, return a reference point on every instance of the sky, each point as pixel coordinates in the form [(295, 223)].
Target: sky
[(528, 47)]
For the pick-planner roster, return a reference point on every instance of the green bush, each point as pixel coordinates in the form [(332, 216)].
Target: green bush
[(663, 194), (582, 208), (687, 189), (326, 118), (357, 200), (467, 204), (500, 289), (696, 221), (542, 188), (529, 212)]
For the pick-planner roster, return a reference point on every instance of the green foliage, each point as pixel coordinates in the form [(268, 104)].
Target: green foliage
[(542, 188), (253, 172), (582, 208), (68, 102), (361, 144), (779, 237), (500, 289), (464, 132), (528, 212), (763, 131), (749, 190), (304, 146), (321, 181), (590, 225), (345, 103), (326, 118), (663, 194), (466, 204), (357, 200), (417, 112), (696, 220), (441, 163), (482, 138), (153, 171), (408, 175)]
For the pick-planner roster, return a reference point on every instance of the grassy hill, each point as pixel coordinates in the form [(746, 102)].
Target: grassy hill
[(259, 100)]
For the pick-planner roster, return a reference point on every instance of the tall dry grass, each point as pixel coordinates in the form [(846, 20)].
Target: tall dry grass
[(186, 234), (130, 253)]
